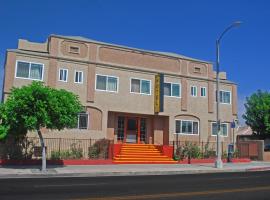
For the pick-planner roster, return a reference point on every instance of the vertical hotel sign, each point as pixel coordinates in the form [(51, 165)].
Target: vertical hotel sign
[(159, 93)]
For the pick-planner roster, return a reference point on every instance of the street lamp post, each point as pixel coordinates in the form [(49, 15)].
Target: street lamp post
[(218, 162)]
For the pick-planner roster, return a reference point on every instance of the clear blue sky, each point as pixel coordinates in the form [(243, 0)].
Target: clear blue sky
[(188, 27)]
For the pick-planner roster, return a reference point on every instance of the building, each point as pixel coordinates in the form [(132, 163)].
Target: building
[(122, 90)]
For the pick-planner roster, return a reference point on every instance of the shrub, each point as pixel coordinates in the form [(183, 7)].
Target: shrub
[(74, 153), (55, 155), (93, 152), (236, 153), (191, 150), (224, 154), (209, 153), (188, 150), (16, 148), (99, 149)]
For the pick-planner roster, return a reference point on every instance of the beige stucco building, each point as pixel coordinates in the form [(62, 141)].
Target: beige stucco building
[(117, 86)]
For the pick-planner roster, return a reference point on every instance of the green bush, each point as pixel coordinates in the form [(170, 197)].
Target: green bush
[(55, 155), (209, 153), (188, 150), (236, 153), (224, 154), (14, 148), (74, 153), (93, 152), (99, 149)]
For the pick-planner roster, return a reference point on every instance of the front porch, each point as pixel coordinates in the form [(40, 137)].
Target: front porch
[(138, 128)]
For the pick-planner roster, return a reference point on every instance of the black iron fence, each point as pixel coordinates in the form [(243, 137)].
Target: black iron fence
[(204, 149), (56, 148)]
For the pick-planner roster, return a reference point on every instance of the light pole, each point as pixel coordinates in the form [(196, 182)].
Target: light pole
[(218, 162)]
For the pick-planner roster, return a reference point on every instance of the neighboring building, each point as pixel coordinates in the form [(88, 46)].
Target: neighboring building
[(117, 86)]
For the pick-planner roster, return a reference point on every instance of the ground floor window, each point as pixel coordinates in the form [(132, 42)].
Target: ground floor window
[(223, 129), (83, 121), (187, 127)]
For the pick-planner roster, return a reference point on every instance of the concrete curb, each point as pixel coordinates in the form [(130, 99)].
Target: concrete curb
[(149, 173)]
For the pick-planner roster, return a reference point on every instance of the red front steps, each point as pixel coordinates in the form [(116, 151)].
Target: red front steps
[(141, 154)]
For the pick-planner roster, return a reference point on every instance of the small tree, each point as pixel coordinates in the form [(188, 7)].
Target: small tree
[(257, 114), (33, 107)]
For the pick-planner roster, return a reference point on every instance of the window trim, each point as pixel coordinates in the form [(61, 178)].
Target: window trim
[(88, 121), (201, 92), (230, 97), (227, 135), (30, 62), (107, 83), (180, 91), (191, 91), (75, 77), (150, 85), (192, 127), (59, 75)]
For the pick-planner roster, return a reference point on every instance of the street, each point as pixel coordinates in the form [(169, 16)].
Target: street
[(249, 185)]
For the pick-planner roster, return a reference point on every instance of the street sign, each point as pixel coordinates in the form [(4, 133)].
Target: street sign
[(233, 124)]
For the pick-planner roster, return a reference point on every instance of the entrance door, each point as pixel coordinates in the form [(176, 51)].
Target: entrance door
[(131, 129)]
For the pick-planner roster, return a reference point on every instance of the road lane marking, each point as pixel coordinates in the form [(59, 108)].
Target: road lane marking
[(179, 194), (69, 185), (236, 177)]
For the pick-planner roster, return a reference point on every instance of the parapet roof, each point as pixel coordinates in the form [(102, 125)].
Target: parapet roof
[(175, 55)]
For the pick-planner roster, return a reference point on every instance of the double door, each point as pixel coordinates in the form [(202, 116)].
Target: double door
[(131, 129)]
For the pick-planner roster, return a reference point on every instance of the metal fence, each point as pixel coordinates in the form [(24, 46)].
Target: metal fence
[(56, 148), (205, 149)]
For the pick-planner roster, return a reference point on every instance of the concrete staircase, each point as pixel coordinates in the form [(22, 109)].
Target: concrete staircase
[(141, 154)]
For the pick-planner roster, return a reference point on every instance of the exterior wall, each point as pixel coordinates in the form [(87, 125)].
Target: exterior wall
[(98, 58)]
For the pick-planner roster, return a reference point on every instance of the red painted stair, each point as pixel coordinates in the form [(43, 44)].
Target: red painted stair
[(141, 154)]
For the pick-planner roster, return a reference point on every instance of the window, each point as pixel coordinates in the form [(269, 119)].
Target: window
[(106, 83), (172, 89), (223, 129), (78, 77), (197, 69), (73, 49), (63, 75), (203, 91), (193, 91), (82, 121), (187, 127), (29, 70), (140, 86), (225, 97)]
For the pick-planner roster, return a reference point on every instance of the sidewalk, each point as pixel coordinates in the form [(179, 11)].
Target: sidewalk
[(127, 170)]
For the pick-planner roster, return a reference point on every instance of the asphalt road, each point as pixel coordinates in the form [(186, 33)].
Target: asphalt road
[(232, 186)]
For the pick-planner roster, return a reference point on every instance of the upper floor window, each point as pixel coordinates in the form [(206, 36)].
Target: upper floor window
[(140, 86), (63, 75), (225, 97), (83, 121), (73, 49), (223, 129), (197, 69), (203, 91), (172, 89), (29, 70), (187, 127), (193, 91), (78, 77), (107, 83)]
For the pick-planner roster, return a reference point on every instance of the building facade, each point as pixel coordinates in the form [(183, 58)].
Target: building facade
[(119, 87)]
